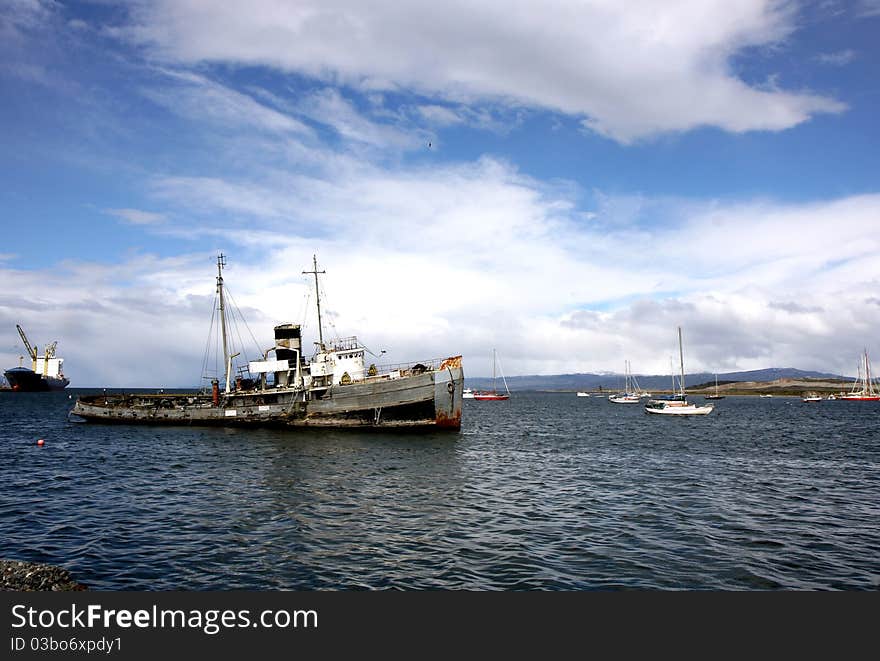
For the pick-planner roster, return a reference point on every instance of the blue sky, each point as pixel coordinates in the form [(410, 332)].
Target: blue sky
[(566, 182)]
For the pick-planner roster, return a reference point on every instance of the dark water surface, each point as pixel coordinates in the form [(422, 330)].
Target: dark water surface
[(545, 491)]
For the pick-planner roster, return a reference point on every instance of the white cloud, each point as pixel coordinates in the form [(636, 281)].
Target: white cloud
[(329, 107), (837, 59), (458, 259), (196, 97), (869, 8), (136, 216), (440, 115), (628, 70), (18, 16)]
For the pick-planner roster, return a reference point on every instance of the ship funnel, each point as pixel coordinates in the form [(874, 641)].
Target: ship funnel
[(288, 341)]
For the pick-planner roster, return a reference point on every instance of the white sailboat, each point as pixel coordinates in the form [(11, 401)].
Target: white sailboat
[(863, 389), (716, 395), (631, 393), (678, 404)]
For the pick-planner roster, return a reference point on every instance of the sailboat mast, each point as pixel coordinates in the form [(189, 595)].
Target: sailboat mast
[(221, 262), (681, 359), (494, 389), (859, 381), (315, 271)]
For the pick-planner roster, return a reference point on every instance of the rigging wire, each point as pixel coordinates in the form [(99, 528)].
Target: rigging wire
[(237, 310), (329, 314), (305, 309), (207, 355), (234, 337)]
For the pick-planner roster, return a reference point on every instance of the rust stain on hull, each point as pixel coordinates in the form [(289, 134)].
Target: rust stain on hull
[(447, 421)]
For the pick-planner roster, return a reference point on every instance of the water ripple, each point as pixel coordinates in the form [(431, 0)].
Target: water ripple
[(543, 492)]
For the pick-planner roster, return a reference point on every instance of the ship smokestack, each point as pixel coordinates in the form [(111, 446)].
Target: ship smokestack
[(288, 346), (288, 338), (215, 392)]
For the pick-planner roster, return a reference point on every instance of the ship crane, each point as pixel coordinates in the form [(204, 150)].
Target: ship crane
[(32, 352), (50, 353)]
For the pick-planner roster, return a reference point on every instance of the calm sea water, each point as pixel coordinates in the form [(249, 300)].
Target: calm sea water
[(545, 491)]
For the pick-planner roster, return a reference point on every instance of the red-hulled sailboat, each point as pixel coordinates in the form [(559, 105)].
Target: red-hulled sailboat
[(493, 395)]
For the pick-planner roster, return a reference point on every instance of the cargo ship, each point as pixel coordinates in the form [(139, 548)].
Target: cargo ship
[(46, 372), (334, 388)]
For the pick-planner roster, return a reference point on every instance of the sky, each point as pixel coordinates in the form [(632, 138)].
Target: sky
[(564, 182)]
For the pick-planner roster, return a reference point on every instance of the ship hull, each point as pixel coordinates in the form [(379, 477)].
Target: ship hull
[(22, 379), (430, 400)]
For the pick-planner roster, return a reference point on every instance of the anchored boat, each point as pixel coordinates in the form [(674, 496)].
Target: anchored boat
[(493, 395), (46, 373), (632, 393), (678, 404), (332, 389), (863, 389), (716, 395)]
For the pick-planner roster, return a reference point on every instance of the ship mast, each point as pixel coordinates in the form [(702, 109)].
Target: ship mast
[(315, 272), (681, 358), (221, 262)]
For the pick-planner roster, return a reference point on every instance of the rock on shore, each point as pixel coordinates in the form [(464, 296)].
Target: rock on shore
[(34, 577)]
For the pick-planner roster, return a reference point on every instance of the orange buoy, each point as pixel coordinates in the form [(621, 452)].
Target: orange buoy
[(41, 442)]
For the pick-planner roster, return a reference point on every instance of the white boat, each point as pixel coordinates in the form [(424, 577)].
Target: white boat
[(583, 394), (811, 397), (765, 396), (677, 404), (467, 393), (716, 395), (863, 389), (631, 394)]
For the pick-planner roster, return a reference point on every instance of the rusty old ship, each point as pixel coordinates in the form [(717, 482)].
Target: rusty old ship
[(333, 388)]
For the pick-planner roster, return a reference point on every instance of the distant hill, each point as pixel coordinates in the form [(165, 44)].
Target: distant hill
[(614, 382)]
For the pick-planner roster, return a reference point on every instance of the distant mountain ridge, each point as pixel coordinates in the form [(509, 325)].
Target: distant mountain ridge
[(647, 382)]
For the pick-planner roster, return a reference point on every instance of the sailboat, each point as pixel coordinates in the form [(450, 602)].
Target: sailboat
[(716, 395), (493, 395), (630, 394), (863, 389), (678, 404)]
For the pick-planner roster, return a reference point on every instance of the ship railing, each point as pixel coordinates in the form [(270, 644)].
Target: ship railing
[(343, 344), (398, 370)]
